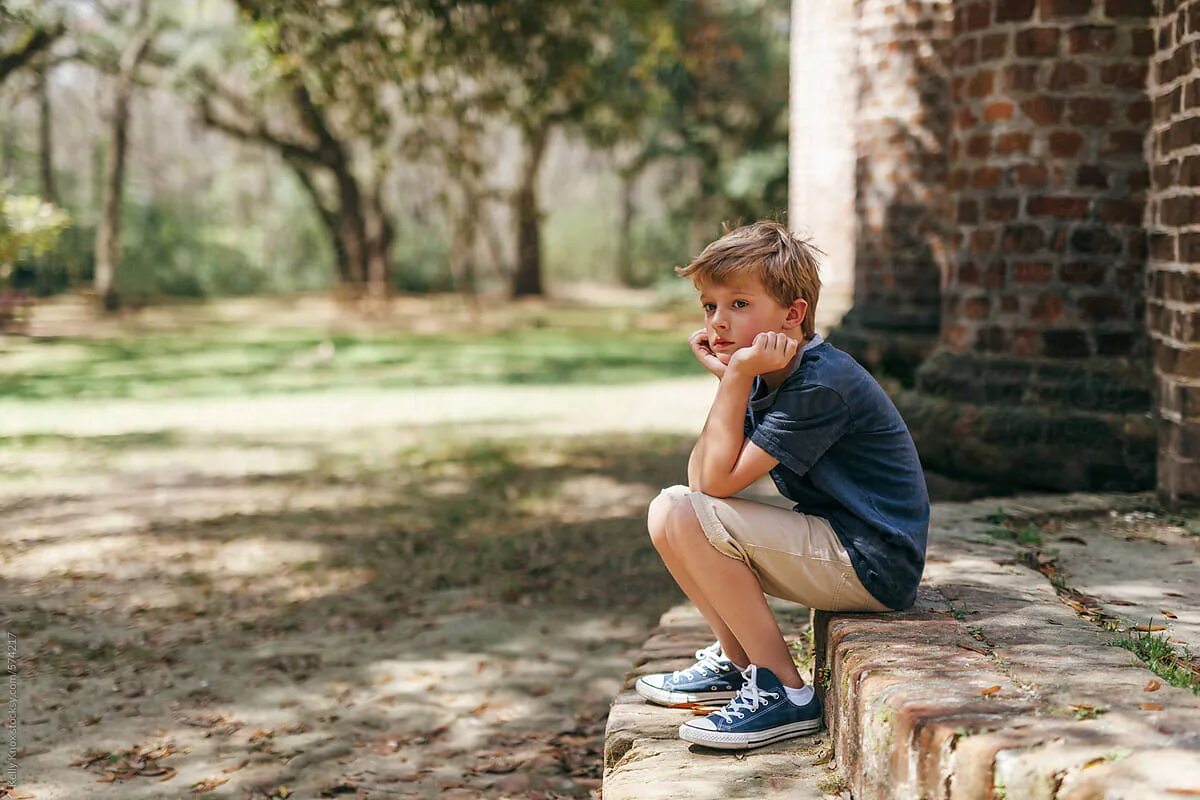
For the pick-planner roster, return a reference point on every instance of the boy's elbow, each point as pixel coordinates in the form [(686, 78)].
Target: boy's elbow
[(715, 488)]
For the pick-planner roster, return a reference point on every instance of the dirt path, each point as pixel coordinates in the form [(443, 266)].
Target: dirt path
[(429, 593)]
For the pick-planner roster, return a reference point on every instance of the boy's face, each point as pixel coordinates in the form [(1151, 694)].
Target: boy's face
[(736, 312)]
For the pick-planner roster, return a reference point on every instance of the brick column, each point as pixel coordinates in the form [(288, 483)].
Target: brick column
[(902, 125), (1042, 373), (1173, 221)]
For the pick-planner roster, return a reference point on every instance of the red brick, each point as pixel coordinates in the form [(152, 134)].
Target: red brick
[(1065, 343), (1127, 212), (979, 145), (1125, 75), (1067, 75), (1065, 144), (1013, 142), (1029, 175), (958, 178), (1039, 42), (1065, 207), (1103, 307), (976, 307), (966, 52), (1014, 10), (1141, 42), (993, 112), (1026, 342), (1189, 248), (1189, 171), (967, 212), (1002, 208), (982, 242), (1091, 39), (993, 46), (980, 84), (977, 16), (1021, 77), (1032, 272), (1085, 272), (985, 177), (967, 274), (964, 118), (1047, 308), (1124, 142), (1138, 111), (1089, 110), (1020, 238), (1049, 9), (1092, 176), (1129, 8), (1043, 110), (1162, 246)]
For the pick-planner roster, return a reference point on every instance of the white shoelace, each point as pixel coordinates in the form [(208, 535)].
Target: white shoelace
[(707, 658), (749, 698)]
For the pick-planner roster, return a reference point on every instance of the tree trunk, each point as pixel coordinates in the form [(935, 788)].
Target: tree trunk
[(108, 233), (527, 279), (625, 233), (45, 138), (379, 244)]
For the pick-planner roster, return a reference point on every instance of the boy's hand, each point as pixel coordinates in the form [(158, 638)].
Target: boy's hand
[(704, 354), (770, 352)]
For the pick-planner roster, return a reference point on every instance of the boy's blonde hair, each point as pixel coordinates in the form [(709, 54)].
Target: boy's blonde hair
[(768, 251)]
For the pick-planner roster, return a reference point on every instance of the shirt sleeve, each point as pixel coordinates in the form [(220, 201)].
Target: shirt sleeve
[(801, 425)]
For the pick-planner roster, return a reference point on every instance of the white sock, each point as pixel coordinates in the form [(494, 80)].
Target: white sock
[(800, 696)]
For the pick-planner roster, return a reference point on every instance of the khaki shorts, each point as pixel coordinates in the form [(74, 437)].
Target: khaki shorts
[(795, 556)]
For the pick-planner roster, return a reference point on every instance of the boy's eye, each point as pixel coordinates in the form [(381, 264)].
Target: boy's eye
[(710, 307), (740, 304)]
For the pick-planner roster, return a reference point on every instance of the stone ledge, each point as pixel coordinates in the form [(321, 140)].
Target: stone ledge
[(905, 695)]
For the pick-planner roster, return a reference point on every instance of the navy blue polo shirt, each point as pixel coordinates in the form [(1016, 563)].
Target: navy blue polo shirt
[(845, 454)]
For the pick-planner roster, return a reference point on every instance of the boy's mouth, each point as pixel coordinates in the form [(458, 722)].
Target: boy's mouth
[(721, 343)]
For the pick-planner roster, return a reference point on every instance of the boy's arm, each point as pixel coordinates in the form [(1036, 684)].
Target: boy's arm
[(724, 462)]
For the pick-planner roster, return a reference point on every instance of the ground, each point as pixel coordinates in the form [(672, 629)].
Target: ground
[(261, 552)]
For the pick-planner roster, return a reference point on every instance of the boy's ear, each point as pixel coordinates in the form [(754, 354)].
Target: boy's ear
[(797, 311)]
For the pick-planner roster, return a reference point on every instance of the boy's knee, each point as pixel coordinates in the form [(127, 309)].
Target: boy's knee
[(682, 520), (658, 516)]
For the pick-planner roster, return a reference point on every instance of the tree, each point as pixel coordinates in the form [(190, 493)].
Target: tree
[(108, 232), (22, 38)]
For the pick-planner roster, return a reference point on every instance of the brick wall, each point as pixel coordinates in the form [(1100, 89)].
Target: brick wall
[(901, 129), (1173, 224), (1048, 181), (1042, 373)]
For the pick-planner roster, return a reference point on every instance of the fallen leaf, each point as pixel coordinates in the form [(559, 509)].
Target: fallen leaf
[(1081, 707), (1148, 628), (1187, 792), (1151, 707), (1072, 539), (974, 647), (208, 784), (1152, 686), (989, 691), (1168, 614)]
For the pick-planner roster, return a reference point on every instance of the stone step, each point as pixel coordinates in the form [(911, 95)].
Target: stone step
[(644, 758), (992, 686)]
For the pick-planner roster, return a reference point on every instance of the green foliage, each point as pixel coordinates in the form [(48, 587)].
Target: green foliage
[(29, 227), (1161, 657), (420, 257)]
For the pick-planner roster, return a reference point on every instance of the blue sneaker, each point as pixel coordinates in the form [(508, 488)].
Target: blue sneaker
[(760, 714), (712, 679)]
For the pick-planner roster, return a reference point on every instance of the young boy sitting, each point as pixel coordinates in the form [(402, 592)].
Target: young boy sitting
[(794, 406)]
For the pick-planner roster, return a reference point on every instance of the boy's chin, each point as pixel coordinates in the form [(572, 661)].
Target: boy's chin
[(724, 358)]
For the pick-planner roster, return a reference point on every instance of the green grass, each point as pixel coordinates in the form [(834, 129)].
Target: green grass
[(239, 361), (1161, 657)]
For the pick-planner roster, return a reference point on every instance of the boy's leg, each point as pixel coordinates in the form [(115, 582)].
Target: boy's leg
[(731, 591), (657, 520)]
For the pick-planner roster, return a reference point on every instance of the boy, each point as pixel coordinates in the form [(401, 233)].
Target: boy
[(798, 408)]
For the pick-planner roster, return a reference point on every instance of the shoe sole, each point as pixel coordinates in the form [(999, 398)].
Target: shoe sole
[(745, 741), (663, 697)]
